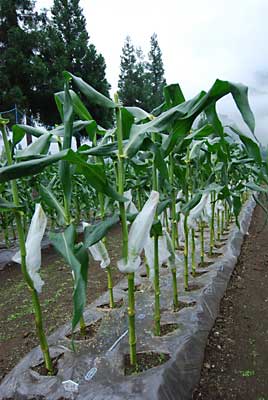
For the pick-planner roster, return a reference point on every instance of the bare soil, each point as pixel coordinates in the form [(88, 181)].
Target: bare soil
[(17, 334), (88, 333), (236, 357), (145, 361)]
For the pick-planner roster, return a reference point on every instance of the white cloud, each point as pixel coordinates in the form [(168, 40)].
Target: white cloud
[(200, 40)]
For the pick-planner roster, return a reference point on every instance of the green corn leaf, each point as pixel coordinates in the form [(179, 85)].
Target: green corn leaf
[(19, 131), (59, 105), (243, 161), (263, 206), (92, 95), (131, 216), (80, 298), (191, 204), (77, 127), (239, 93), (3, 121), (64, 243), (201, 133), (104, 150), (64, 166), (92, 128), (237, 205), (94, 173), (31, 167), (81, 111), (160, 162), (7, 206), (173, 95), (68, 118), (162, 206), (127, 122), (18, 135), (181, 117), (50, 199), (156, 229), (37, 149), (256, 188), (206, 101), (134, 143), (195, 150), (252, 148), (213, 187), (163, 122), (138, 113), (79, 107), (213, 119), (94, 233)]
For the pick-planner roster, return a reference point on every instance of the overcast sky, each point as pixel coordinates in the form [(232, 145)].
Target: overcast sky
[(200, 41)]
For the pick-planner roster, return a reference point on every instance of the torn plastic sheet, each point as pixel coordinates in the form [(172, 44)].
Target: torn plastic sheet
[(173, 380), (33, 247)]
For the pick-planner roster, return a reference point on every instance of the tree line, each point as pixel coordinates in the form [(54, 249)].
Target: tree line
[(35, 47)]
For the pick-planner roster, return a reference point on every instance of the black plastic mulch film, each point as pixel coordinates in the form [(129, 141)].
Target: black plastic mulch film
[(96, 370)]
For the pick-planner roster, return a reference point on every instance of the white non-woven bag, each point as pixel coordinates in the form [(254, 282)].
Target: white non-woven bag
[(163, 253), (139, 231), (196, 212), (33, 247), (129, 205), (99, 251)]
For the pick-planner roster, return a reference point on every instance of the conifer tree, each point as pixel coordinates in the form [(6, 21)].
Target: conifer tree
[(156, 73), (127, 78), (141, 82), (67, 48), (21, 67)]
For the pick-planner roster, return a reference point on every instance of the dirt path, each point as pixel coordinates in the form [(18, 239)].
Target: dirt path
[(236, 357), (17, 330)]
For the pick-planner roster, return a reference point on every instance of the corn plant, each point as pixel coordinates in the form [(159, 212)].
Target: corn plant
[(188, 166)]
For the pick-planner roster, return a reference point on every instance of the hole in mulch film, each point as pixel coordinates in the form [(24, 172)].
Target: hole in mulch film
[(205, 264), (183, 305), (214, 255), (195, 274), (41, 369), (106, 306), (89, 332), (145, 361), (137, 288), (192, 287)]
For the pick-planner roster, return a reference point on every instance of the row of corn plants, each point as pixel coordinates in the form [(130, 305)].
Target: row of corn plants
[(165, 176)]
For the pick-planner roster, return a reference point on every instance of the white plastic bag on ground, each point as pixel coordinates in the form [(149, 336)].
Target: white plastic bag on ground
[(99, 251), (33, 247), (138, 233)]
